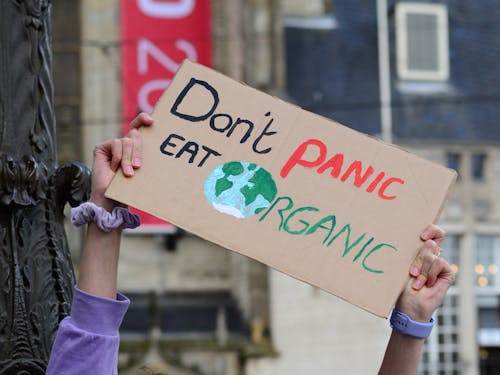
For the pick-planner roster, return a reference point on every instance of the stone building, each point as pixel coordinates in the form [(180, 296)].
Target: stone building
[(422, 74)]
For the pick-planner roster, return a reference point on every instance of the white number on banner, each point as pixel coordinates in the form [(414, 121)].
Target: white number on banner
[(162, 9), (146, 48)]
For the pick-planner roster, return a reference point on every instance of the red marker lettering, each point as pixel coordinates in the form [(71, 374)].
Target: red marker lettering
[(357, 168), (313, 153), (296, 158), (385, 185)]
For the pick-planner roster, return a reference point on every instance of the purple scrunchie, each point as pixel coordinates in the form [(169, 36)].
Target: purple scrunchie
[(119, 218)]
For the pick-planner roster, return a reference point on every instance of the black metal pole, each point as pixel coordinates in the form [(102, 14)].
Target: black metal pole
[(36, 273)]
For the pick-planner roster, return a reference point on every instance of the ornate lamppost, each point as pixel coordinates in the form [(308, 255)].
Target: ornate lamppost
[(36, 273)]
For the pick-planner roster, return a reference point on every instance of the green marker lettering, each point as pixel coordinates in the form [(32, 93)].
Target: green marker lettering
[(280, 210), (327, 219), (363, 249), (347, 247), (375, 249), (306, 224)]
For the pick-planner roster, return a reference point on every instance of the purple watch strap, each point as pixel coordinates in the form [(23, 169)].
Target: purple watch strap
[(405, 325)]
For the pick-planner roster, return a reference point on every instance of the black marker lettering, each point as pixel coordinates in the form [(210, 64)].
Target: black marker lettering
[(209, 152), (191, 148), (228, 123), (167, 143), (184, 92), (248, 132), (264, 133)]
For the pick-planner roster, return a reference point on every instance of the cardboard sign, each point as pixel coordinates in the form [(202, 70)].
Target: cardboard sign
[(294, 190)]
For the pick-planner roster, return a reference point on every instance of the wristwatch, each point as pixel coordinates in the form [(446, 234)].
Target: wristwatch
[(402, 323)]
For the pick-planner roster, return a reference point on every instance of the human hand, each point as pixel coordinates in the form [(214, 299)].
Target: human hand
[(113, 154), (431, 276)]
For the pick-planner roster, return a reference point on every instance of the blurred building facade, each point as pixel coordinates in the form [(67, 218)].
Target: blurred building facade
[(441, 97), (423, 74)]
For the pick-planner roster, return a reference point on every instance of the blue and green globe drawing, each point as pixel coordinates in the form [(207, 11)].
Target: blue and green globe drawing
[(240, 189)]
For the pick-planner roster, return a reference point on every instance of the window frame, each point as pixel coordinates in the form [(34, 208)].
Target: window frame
[(441, 12)]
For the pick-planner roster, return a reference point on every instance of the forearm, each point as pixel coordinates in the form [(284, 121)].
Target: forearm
[(430, 278), (411, 324), (402, 355), (99, 262)]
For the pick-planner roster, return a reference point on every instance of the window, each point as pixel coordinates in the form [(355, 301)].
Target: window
[(422, 41), (453, 161), (441, 350), (451, 250), (486, 260), (487, 256), (478, 161)]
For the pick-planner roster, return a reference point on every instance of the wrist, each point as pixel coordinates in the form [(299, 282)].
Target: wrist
[(106, 203), (416, 313), (405, 325), (415, 310)]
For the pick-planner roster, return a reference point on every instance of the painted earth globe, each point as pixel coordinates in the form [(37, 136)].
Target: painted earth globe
[(240, 189)]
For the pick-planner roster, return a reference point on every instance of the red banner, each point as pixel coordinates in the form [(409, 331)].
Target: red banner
[(157, 35)]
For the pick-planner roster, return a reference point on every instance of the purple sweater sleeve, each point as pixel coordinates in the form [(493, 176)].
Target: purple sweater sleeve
[(87, 341)]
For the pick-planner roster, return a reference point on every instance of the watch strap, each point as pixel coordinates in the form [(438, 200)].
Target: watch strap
[(402, 323)]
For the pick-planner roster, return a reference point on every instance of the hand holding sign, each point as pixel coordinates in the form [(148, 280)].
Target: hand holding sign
[(124, 153), (425, 291), (431, 276)]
